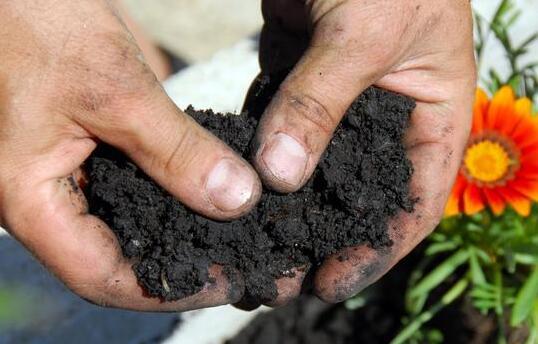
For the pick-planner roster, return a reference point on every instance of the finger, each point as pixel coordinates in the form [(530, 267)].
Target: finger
[(83, 252), (436, 160), (288, 289), (338, 65), (120, 101)]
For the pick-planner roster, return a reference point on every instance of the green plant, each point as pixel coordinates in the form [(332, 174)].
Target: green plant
[(495, 260), (488, 258), (522, 78)]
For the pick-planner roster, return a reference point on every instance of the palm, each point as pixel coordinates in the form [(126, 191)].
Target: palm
[(439, 125)]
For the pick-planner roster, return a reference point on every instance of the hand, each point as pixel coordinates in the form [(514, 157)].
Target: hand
[(71, 75), (337, 48)]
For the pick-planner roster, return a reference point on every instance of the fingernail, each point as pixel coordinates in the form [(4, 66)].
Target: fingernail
[(285, 158), (230, 185)]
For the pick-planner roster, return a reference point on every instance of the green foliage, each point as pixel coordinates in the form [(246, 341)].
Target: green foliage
[(496, 261), (526, 300), (522, 77), (490, 260), (415, 323), (493, 261)]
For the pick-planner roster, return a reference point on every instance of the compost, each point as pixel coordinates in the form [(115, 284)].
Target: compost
[(361, 182)]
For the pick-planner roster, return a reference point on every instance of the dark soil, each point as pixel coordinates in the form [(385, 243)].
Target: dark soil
[(360, 183), (310, 321)]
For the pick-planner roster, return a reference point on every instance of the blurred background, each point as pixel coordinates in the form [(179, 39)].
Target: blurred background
[(214, 50)]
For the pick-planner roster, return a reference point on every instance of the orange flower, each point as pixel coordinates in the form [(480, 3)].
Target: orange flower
[(500, 164)]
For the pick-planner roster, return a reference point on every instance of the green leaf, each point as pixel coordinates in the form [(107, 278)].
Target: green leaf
[(454, 292), (439, 247), (525, 259), (485, 297), (482, 293), (473, 227), (530, 66), (528, 248), (495, 81), (510, 261), (515, 82), (414, 326), (484, 305), (355, 303), (533, 336), (512, 19), (477, 274), (440, 273), (483, 255), (526, 252), (525, 299), (528, 41), (504, 7), (416, 304)]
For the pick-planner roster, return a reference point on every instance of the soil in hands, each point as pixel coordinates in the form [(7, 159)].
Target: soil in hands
[(361, 182)]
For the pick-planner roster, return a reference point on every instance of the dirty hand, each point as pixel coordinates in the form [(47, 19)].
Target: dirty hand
[(420, 48), (71, 76)]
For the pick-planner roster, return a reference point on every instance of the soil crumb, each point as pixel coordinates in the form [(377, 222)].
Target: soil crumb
[(361, 182)]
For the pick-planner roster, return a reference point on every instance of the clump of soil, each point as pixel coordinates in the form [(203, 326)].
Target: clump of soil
[(360, 183), (311, 321)]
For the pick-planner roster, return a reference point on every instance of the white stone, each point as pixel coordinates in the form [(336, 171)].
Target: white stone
[(212, 325), (220, 83)]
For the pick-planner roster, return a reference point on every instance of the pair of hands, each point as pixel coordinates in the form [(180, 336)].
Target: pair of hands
[(71, 75)]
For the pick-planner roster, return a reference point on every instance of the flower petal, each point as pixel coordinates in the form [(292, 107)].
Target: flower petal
[(527, 171), (523, 107), (480, 110), (511, 120), (525, 133), (495, 201), (531, 150), (520, 203), (526, 187), (502, 105), (454, 201), (528, 163), (472, 200)]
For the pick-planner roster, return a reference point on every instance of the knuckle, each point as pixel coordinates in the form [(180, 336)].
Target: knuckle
[(106, 74), (311, 109), (181, 153), (341, 26)]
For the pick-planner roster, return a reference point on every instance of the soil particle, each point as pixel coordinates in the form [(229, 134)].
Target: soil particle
[(362, 181)]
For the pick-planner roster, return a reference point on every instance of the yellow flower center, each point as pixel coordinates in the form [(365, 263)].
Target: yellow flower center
[(487, 161), (490, 159)]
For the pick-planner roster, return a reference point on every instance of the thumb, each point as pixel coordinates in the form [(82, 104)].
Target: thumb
[(184, 158), (339, 63)]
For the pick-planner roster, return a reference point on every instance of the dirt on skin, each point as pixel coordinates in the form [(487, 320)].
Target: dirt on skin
[(361, 182)]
